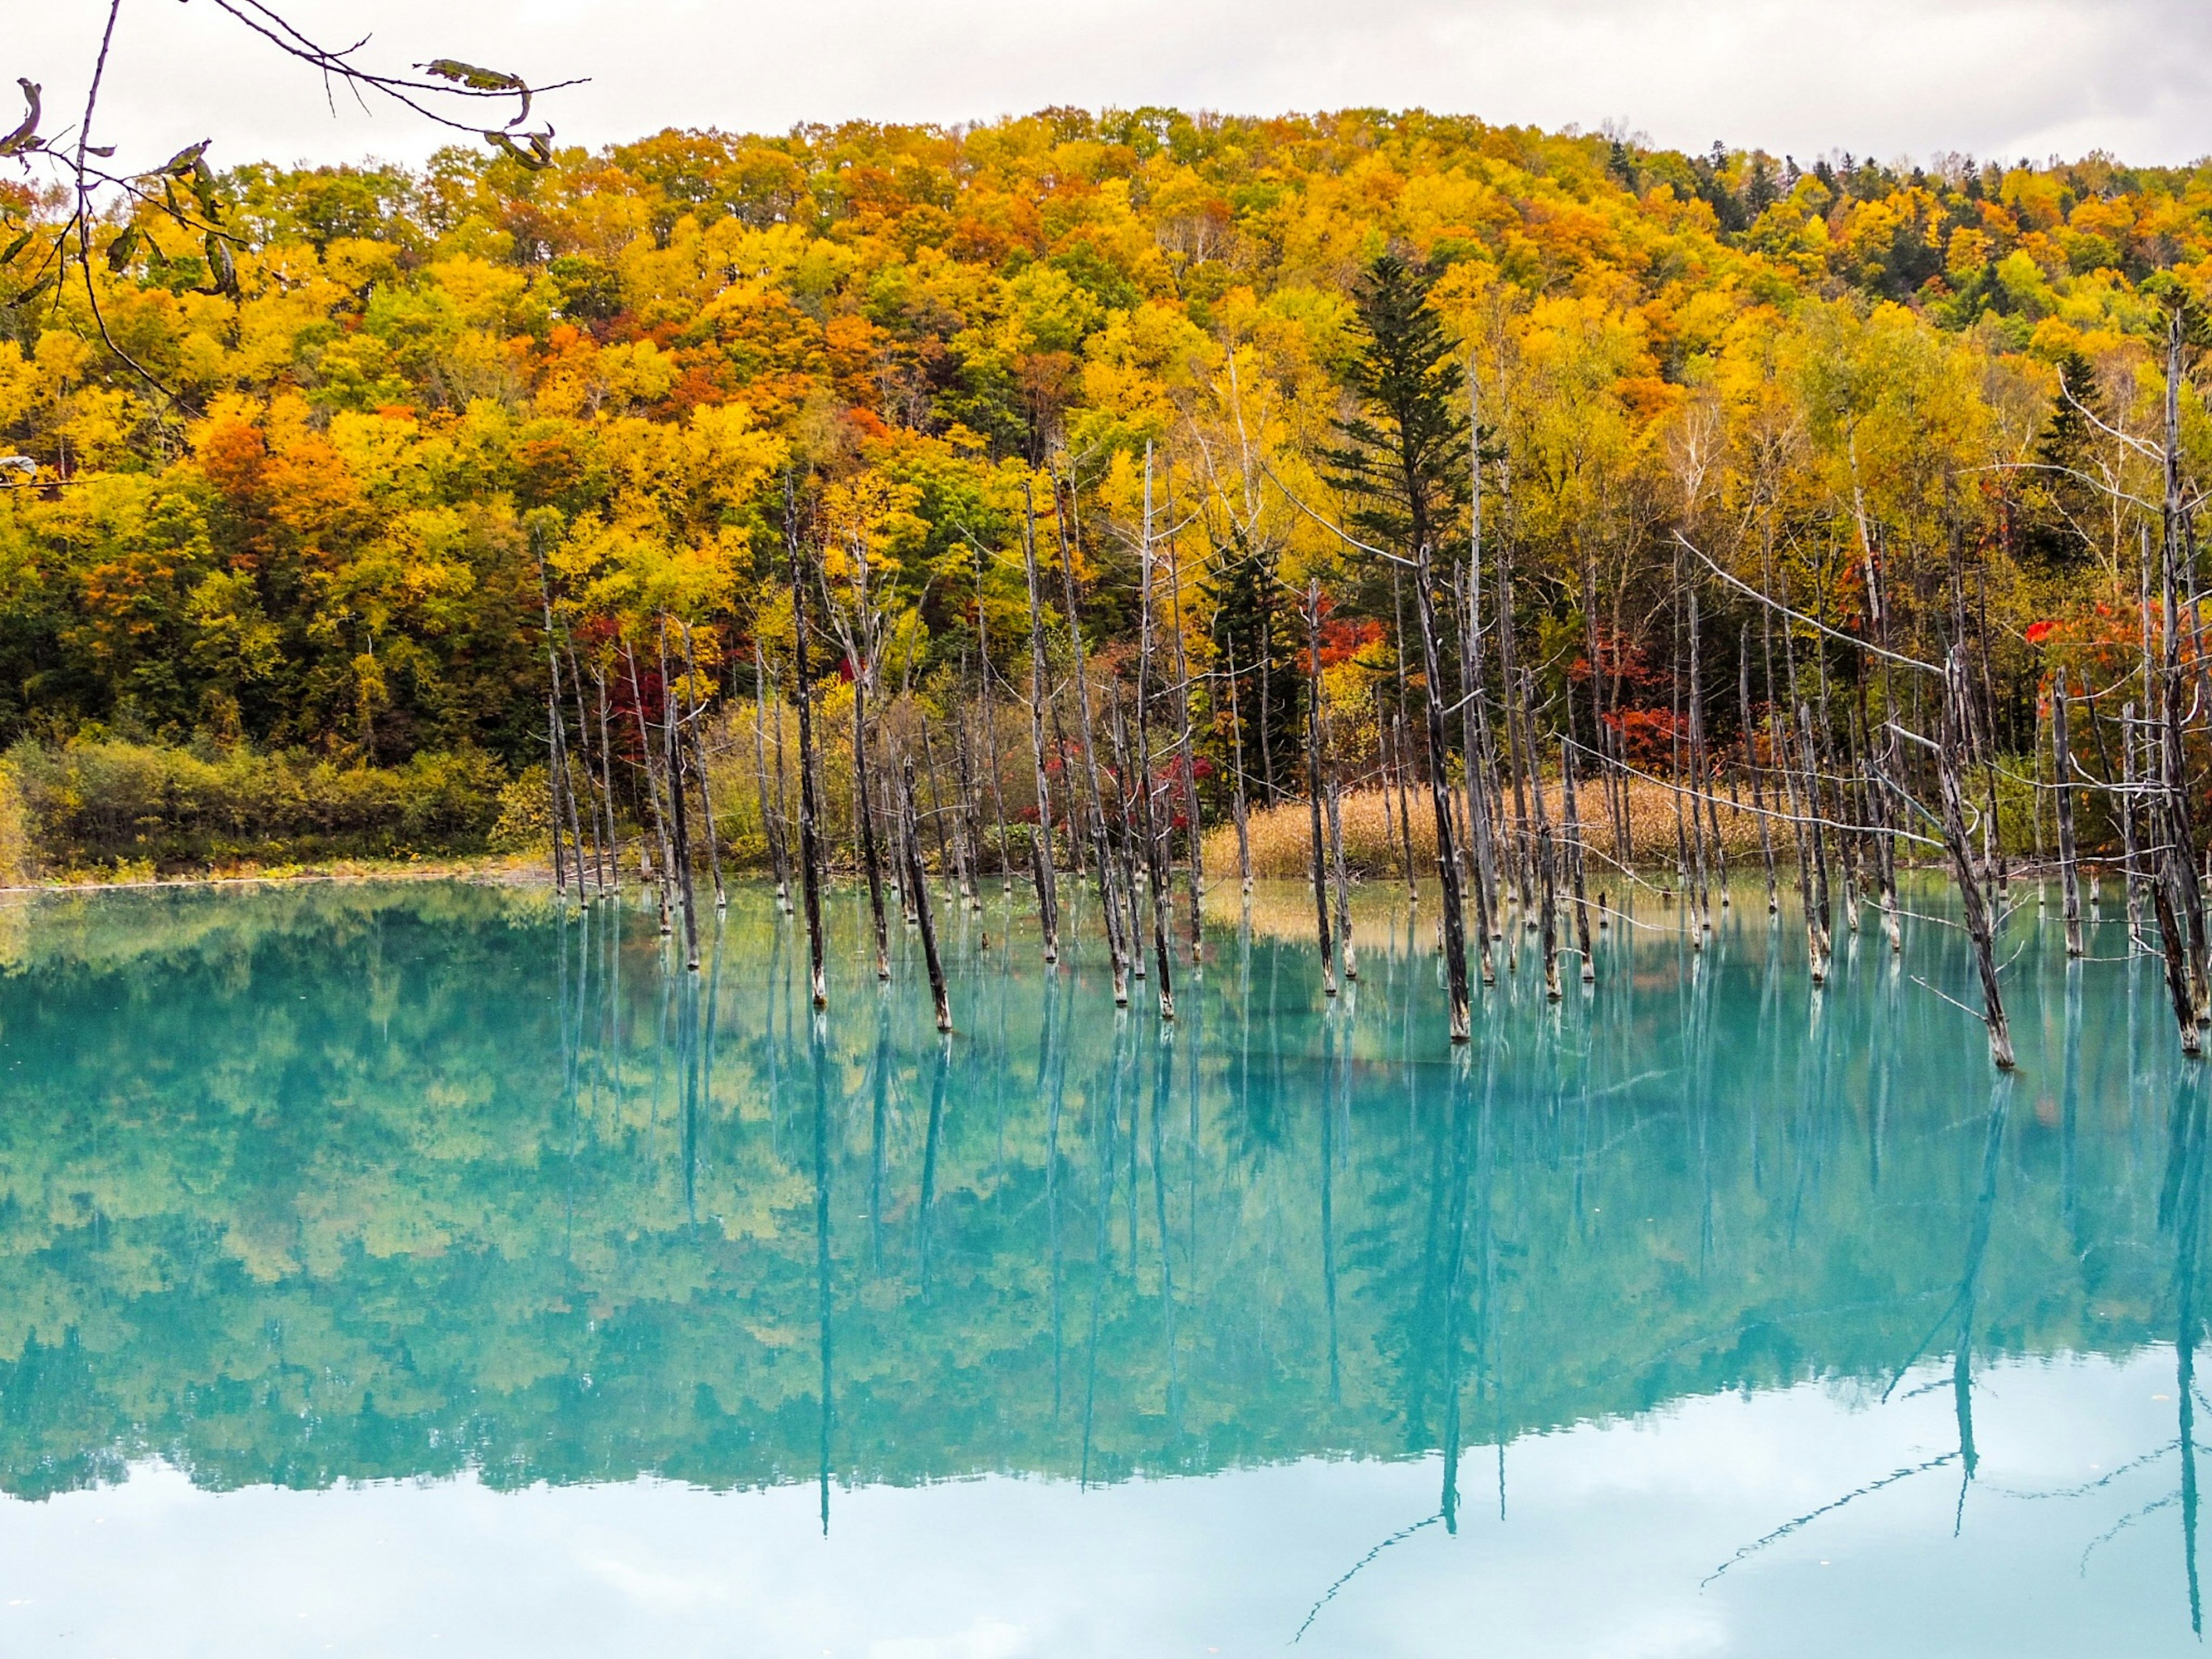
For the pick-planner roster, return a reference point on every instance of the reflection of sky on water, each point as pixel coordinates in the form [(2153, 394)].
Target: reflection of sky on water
[(406, 1271), (1609, 1531)]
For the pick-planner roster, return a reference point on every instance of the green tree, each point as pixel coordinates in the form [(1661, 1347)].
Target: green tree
[(1403, 460)]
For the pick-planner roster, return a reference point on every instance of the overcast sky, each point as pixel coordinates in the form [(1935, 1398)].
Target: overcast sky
[(1892, 77)]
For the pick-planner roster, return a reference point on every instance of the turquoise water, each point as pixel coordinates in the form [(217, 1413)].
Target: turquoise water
[(404, 1269)]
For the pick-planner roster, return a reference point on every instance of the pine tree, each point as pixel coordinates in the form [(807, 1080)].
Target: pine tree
[(1404, 459), (2058, 500), (1251, 631)]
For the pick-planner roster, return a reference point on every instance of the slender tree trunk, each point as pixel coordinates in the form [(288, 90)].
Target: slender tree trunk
[(2129, 816), (1236, 738), (1118, 946), (1549, 900), (1040, 689), (553, 769), (607, 781), (1472, 738), (1314, 790), (1156, 874), (863, 816), (1575, 861), (591, 811), (771, 811), (1448, 867), (2186, 894), (678, 817), (1193, 836), (810, 804), (923, 917), (645, 746), (2062, 764), (1955, 841), (699, 759), (1751, 765)]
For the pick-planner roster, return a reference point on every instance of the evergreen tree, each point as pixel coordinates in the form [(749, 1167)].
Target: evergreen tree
[(1253, 632), (2059, 500), (1404, 458)]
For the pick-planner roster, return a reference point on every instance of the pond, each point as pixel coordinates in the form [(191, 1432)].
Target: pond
[(407, 1268)]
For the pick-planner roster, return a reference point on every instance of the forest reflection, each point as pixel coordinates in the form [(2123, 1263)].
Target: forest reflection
[(323, 1185)]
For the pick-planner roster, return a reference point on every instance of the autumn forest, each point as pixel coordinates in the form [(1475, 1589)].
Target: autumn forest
[(416, 509)]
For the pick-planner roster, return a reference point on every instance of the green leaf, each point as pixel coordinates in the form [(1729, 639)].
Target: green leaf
[(224, 267), (183, 162), (120, 250), (540, 154), (15, 247), (469, 75)]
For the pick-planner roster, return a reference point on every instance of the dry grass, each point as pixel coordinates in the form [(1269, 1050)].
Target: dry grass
[(1282, 836)]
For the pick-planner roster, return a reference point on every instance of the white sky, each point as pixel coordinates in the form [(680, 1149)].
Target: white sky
[(1609, 1532), (1890, 77)]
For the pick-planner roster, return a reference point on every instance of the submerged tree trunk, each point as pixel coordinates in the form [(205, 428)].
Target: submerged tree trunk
[(2062, 759), (1751, 765), (778, 856), (1575, 860), (653, 792), (924, 919), (1314, 791), (1955, 841), (699, 759), (1448, 867), (679, 821), (1238, 806), (810, 806), (1041, 848), (1118, 945)]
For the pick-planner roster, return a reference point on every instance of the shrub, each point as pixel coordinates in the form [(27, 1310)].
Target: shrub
[(104, 801)]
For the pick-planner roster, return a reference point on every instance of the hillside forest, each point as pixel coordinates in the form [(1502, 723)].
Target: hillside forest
[(1260, 459)]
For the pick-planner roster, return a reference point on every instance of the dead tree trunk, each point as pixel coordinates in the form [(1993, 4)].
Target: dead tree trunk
[(607, 781), (1751, 765), (1314, 791), (923, 917), (1040, 689), (1193, 839), (679, 819), (1156, 864), (699, 759), (1448, 866), (809, 805), (1238, 805), (1472, 738), (778, 856), (2061, 760), (1575, 860), (1948, 757), (1118, 945), (645, 746)]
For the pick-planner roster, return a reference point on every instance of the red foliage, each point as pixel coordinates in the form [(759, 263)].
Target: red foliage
[(1343, 639), (1647, 736)]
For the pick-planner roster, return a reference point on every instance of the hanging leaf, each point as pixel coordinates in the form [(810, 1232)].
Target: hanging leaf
[(120, 250), (24, 138), (101, 150), (471, 76), (224, 267), (30, 295), (202, 180), (540, 154), (182, 163), (8, 258)]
